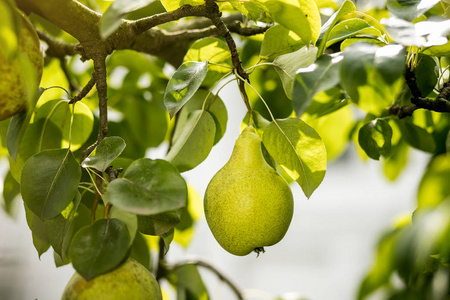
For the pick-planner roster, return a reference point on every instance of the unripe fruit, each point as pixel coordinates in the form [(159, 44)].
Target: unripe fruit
[(20, 74), (248, 205), (130, 281)]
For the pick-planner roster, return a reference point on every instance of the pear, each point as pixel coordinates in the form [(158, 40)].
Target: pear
[(248, 205), (130, 281), (21, 72)]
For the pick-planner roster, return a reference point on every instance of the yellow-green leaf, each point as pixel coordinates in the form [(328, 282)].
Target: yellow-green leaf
[(300, 16)]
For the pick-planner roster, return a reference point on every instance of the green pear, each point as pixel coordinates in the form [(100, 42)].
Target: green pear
[(21, 72), (130, 281), (248, 205)]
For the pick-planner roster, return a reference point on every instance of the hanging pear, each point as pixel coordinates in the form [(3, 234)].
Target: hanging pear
[(248, 205)]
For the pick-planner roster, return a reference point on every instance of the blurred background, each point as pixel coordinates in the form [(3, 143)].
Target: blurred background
[(324, 256)]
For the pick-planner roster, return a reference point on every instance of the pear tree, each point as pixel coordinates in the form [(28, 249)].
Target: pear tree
[(89, 87)]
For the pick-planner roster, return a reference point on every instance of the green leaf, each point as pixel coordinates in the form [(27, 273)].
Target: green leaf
[(214, 105), (411, 9), (105, 153), (148, 187), (420, 34), (427, 73), (288, 64), (49, 182), (160, 223), (214, 51), (345, 8), (140, 251), (99, 248), (417, 137), (60, 113), (194, 142), (171, 5), (299, 150), (375, 138), (250, 10), (372, 75), (350, 28), (183, 84), (167, 239), (320, 76), (11, 190), (369, 40), (57, 228), (18, 126), (147, 120), (190, 282), (127, 218), (300, 16), (38, 136), (396, 162), (434, 187), (279, 40), (112, 18)]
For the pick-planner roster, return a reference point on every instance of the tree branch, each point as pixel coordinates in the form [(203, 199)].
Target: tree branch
[(87, 88), (222, 277), (57, 48), (440, 104)]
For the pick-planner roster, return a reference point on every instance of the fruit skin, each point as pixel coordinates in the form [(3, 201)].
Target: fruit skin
[(15, 86), (130, 281), (248, 205)]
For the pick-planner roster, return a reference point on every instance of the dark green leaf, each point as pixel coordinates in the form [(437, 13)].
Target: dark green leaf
[(39, 235), (100, 247), (320, 76), (38, 136), (299, 150), (18, 125), (183, 85), (375, 138), (346, 8), (105, 153), (127, 218), (427, 73), (194, 142), (49, 182), (167, 239), (57, 228), (417, 137), (147, 120), (148, 187), (160, 223)]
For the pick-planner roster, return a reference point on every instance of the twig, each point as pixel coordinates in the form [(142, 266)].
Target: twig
[(57, 48), (145, 24), (214, 15), (219, 274), (86, 89)]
